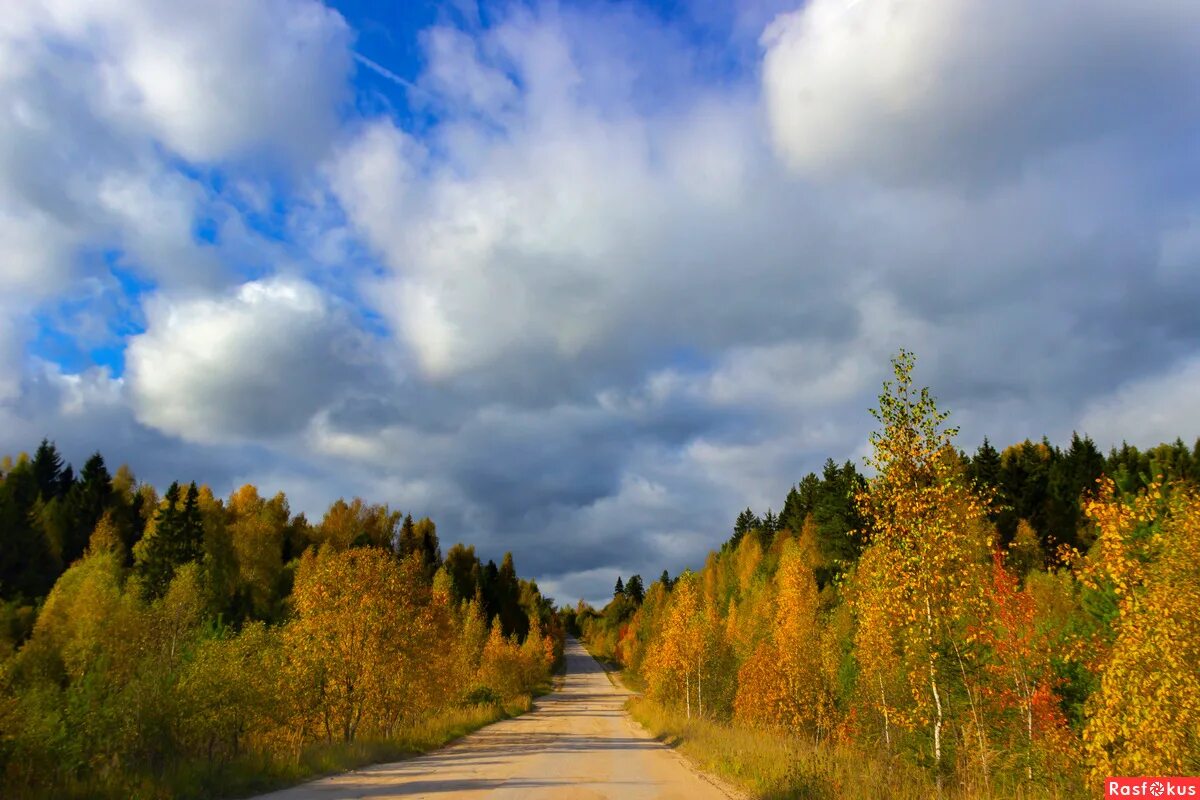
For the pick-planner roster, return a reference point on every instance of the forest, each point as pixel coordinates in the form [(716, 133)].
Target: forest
[(1013, 623), (189, 646)]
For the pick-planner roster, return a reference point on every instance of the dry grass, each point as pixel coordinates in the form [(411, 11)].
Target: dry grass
[(263, 772), (771, 765), (774, 765)]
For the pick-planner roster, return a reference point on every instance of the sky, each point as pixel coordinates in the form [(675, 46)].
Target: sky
[(582, 280)]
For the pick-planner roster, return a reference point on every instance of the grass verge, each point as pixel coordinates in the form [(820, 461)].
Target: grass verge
[(329, 759), (770, 765), (774, 765), (264, 772)]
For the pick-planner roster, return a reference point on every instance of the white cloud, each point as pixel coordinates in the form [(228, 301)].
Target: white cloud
[(1149, 410), (155, 215), (551, 227), (215, 80), (101, 96), (10, 356), (256, 364), (970, 89), (37, 249)]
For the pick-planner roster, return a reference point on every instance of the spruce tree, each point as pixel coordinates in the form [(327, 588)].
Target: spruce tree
[(770, 526), (1072, 474), (489, 585), (86, 501), (407, 544), (191, 529), (837, 517), (794, 511), (66, 481), (26, 565), (619, 589), (634, 589), (746, 521), (47, 470), (508, 592), (985, 467), (178, 539)]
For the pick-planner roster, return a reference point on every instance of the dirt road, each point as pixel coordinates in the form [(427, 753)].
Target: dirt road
[(577, 743)]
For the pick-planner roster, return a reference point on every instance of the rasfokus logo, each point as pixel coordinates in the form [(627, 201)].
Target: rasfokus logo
[(1152, 787)]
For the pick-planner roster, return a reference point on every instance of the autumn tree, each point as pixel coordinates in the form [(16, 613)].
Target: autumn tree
[(1025, 552), (676, 667), (1019, 690), (358, 524), (362, 634), (227, 692), (1145, 717), (500, 665), (781, 684), (471, 641), (748, 619), (256, 529), (929, 538)]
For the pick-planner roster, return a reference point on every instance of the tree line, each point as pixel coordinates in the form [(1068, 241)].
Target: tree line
[(1019, 621), (154, 644)]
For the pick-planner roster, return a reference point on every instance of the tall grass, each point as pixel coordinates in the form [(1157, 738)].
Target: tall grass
[(263, 772), (775, 765)]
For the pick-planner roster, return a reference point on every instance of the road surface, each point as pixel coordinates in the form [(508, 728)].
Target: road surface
[(577, 743)]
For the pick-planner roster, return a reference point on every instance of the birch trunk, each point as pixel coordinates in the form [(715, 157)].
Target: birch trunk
[(937, 699)]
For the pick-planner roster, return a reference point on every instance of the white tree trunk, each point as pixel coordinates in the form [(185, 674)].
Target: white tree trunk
[(887, 733), (937, 700)]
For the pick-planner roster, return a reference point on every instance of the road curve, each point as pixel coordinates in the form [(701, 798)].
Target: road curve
[(577, 743)]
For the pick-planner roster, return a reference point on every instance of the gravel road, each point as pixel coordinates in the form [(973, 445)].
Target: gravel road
[(577, 743)]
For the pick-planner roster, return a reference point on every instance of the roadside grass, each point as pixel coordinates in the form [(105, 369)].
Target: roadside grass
[(773, 765), (330, 759), (264, 772), (769, 765)]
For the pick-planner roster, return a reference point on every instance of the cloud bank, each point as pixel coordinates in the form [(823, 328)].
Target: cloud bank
[(590, 279)]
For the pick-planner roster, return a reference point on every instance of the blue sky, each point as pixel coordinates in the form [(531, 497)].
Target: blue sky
[(581, 280)]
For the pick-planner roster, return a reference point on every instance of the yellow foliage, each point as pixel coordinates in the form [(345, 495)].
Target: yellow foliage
[(501, 667), (922, 576), (365, 637), (1145, 718), (749, 556), (782, 683), (106, 537)]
